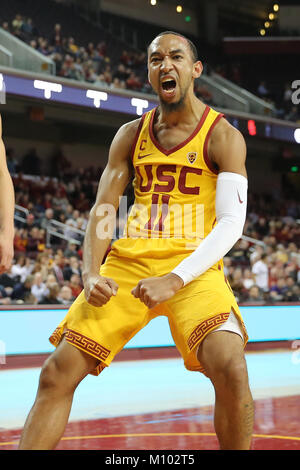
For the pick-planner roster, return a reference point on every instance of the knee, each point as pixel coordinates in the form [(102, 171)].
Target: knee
[(230, 377), (53, 379)]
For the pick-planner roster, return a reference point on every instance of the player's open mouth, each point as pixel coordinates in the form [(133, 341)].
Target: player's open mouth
[(168, 86)]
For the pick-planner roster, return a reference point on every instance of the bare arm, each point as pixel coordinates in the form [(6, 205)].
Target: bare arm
[(7, 205), (111, 186)]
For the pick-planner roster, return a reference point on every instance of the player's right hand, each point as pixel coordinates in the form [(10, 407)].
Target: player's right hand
[(98, 290)]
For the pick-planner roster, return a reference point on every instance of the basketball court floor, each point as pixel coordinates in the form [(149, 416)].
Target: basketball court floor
[(157, 404)]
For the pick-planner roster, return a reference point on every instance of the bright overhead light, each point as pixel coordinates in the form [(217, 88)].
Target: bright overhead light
[(262, 32), (275, 7), (271, 16), (179, 8), (153, 2), (267, 24)]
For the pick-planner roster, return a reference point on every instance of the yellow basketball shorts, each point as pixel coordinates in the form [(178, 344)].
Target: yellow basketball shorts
[(193, 312)]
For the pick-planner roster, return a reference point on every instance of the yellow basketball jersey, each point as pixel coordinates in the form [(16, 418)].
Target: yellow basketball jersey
[(174, 189)]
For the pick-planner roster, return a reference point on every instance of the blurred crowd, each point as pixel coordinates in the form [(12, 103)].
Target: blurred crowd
[(285, 108), (47, 267), (279, 97), (91, 63), (127, 69)]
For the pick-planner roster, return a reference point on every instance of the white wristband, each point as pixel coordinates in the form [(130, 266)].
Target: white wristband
[(231, 207)]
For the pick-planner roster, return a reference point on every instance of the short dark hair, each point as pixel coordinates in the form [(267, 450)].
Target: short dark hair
[(192, 46)]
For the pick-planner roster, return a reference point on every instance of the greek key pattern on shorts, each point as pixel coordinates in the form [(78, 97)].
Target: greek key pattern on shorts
[(87, 344), (55, 337), (204, 327), (98, 369)]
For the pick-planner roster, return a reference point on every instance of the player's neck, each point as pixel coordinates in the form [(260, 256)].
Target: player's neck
[(190, 111)]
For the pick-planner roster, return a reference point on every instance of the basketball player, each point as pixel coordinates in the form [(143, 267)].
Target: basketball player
[(7, 207), (184, 155)]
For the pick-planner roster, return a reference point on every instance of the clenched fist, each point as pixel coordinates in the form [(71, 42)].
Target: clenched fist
[(155, 290), (98, 290)]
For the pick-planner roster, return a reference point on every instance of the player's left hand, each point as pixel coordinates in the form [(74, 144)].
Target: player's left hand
[(155, 290), (6, 252)]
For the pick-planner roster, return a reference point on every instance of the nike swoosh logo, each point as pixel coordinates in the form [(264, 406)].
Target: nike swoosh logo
[(143, 156), (241, 202)]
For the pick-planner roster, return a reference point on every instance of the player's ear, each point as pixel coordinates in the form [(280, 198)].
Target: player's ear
[(198, 68)]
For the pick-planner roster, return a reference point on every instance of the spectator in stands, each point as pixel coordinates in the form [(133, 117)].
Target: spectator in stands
[(71, 267), (71, 47), (261, 273), (240, 252), (34, 242), (65, 295), (89, 72), (121, 73), (248, 279), (39, 288), (52, 296), (20, 241), (133, 82), (262, 90), (17, 24), (28, 29), (22, 268), (44, 222), (56, 38), (100, 81), (237, 283), (227, 264), (71, 251), (102, 48), (293, 294), (117, 84), (78, 69), (255, 255), (7, 283), (107, 74), (57, 268), (293, 114), (58, 59), (255, 296), (43, 47), (5, 26), (75, 285)]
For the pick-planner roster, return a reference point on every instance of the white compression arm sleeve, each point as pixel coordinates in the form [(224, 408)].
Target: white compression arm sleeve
[(231, 206)]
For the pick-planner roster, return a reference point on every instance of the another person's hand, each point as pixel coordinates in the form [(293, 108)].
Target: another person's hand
[(155, 290), (98, 290)]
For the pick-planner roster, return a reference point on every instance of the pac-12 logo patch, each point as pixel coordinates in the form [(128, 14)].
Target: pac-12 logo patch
[(191, 156)]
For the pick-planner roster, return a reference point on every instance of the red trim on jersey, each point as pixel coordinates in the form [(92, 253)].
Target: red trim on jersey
[(182, 144), (205, 154), (137, 136)]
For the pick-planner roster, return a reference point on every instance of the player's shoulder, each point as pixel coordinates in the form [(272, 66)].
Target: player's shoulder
[(124, 139), (225, 133), (127, 131)]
